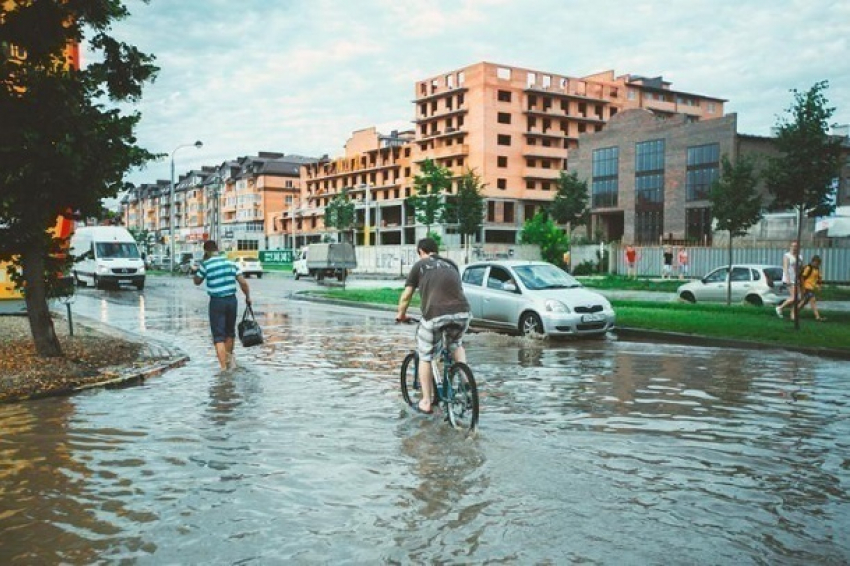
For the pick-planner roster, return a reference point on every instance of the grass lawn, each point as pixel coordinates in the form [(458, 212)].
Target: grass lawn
[(738, 322)]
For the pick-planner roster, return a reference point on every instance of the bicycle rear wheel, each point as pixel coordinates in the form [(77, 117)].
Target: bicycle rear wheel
[(409, 378), (462, 403)]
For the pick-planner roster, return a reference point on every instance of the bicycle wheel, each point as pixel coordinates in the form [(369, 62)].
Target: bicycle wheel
[(409, 377), (462, 403)]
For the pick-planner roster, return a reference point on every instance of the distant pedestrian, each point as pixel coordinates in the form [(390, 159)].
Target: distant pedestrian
[(667, 267), (810, 283), (631, 257), (222, 276), (790, 276), (683, 262)]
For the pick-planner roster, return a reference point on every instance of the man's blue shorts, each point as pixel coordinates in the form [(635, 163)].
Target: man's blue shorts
[(223, 317)]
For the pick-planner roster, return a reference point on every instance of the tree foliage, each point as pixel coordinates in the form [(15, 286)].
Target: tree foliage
[(736, 204), (63, 148), (802, 177), (431, 185), (339, 213), (570, 205), (467, 208), (542, 231)]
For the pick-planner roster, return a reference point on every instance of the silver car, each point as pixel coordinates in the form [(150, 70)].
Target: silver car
[(534, 297), (754, 284)]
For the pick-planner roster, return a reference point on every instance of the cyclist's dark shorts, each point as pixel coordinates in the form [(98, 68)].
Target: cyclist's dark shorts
[(429, 334), (223, 317)]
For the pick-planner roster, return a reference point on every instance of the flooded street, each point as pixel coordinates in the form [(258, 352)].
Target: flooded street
[(599, 451)]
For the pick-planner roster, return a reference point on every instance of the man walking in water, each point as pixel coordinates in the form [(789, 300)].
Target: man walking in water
[(444, 309), (221, 276)]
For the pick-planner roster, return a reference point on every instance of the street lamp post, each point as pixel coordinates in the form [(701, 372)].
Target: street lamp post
[(171, 230)]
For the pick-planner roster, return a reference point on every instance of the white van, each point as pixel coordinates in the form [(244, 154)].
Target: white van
[(106, 255)]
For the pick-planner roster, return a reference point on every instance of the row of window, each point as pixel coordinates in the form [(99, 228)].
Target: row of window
[(702, 170)]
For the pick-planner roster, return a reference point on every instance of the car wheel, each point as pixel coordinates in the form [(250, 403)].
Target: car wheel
[(77, 281), (96, 282), (297, 275), (530, 324), (754, 300), (688, 297), (259, 276)]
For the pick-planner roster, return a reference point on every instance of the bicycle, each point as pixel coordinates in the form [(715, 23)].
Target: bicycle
[(454, 387)]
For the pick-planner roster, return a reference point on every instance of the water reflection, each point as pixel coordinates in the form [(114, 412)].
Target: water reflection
[(589, 451)]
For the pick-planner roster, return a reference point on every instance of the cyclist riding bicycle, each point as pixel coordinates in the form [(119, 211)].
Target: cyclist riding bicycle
[(444, 310)]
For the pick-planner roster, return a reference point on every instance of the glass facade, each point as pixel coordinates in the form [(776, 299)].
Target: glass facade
[(649, 173), (703, 170), (605, 180)]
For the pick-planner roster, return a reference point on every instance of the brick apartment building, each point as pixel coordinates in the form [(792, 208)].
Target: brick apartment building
[(513, 127)]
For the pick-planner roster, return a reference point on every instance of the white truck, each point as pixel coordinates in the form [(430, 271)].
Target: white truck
[(106, 255), (325, 260)]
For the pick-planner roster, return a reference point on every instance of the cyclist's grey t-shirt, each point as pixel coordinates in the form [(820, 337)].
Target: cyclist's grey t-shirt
[(438, 281)]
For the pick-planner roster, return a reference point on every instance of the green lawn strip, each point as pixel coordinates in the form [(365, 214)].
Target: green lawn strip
[(742, 322), (737, 323)]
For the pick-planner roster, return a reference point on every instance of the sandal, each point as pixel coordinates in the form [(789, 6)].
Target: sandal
[(821, 319), (417, 409)]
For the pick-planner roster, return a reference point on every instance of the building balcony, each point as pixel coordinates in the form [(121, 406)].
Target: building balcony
[(539, 173), (440, 115), (540, 151), (561, 93), (439, 134), (659, 105), (446, 152), (442, 93)]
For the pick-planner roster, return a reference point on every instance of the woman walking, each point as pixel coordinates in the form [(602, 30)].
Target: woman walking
[(790, 276)]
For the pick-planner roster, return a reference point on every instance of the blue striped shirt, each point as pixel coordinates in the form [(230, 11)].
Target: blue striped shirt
[(220, 275)]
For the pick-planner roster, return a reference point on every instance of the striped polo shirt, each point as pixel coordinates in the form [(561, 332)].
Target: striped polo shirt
[(220, 275)]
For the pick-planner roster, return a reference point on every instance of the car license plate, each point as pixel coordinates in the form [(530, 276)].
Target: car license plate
[(128, 281), (592, 318)]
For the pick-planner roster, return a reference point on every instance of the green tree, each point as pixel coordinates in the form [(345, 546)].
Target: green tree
[(542, 231), (736, 205), (467, 208), (65, 145), (802, 178), (339, 213), (570, 205), (431, 186)]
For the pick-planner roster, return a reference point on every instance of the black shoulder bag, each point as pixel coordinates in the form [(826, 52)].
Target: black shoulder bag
[(250, 333)]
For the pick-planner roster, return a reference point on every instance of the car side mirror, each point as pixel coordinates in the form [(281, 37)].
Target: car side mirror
[(508, 286)]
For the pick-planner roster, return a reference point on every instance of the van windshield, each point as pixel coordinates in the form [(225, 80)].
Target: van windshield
[(117, 249)]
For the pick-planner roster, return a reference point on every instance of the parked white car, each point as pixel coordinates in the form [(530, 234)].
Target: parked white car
[(754, 284), (534, 297), (250, 266)]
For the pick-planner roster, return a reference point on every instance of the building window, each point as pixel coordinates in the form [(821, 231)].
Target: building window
[(502, 184), (503, 139), (247, 245), (503, 73), (501, 161), (504, 96), (504, 118), (649, 173), (648, 226), (531, 185), (632, 94), (508, 213), (698, 225), (605, 177), (491, 211), (702, 170)]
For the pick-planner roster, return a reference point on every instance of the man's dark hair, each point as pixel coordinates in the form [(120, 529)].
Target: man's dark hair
[(210, 246), (427, 245)]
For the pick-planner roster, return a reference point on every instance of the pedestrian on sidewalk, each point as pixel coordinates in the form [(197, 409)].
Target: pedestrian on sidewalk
[(631, 256), (790, 276), (810, 282), (667, 268), (683, 262), (222, 277)]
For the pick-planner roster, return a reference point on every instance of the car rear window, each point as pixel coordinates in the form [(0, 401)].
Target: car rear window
[(474, 275)]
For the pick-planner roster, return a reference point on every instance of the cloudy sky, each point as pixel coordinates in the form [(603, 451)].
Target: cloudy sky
[(298, 76)]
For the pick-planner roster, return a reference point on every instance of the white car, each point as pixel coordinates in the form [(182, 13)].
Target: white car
[(754, 284), (250, 266), (534, 297)]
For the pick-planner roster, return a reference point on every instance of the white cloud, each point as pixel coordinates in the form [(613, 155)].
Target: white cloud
[(300, 76)]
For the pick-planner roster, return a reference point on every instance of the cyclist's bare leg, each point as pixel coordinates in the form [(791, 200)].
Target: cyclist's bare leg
[(425, 382), (459, 355)]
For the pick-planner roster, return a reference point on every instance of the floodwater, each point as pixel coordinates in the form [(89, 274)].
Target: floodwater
[(600, 451)]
